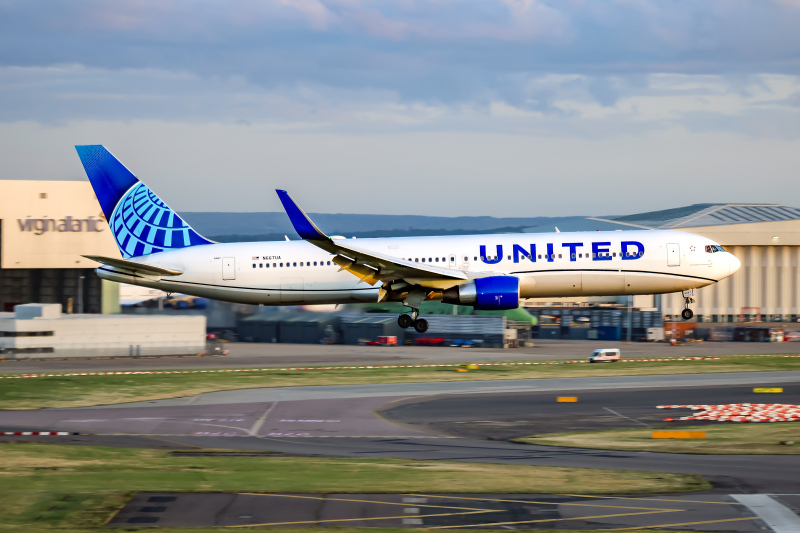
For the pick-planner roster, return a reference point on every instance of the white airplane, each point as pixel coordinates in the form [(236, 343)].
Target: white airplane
[(161, 251)]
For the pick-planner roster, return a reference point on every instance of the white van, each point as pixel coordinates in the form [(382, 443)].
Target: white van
[(605, 355)]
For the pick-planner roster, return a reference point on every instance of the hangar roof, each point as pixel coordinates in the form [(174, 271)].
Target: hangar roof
[(692, 216), (699, 215)]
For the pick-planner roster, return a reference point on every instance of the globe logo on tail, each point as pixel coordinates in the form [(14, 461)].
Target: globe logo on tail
[(142, 224)]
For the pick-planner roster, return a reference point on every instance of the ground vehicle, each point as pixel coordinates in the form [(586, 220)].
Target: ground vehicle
[(605, 355)]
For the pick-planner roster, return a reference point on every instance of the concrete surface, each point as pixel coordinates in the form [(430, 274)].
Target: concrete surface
[(451, 511), (303, 420), (244, 355), (332, 392)]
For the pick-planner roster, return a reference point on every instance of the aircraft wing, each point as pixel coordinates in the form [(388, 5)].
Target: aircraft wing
[(368, 265), (133, 266)]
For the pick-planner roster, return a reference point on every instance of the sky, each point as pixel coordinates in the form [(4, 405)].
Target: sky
[(435, 107)]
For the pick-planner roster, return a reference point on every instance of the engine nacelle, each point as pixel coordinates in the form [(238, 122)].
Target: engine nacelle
[(489, 294)]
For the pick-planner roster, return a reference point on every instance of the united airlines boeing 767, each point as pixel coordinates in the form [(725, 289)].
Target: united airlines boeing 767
[(161, 251)]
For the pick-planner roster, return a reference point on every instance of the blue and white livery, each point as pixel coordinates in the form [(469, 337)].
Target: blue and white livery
[(141, 222), (161, 251)]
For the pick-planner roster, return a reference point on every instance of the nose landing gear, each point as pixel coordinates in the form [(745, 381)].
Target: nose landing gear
[(687, 313), (406, 321)]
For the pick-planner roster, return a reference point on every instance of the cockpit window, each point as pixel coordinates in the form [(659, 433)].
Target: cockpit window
[(714, 248)]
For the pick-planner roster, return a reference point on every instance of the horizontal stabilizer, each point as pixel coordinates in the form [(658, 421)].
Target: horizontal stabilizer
[(134, 266)]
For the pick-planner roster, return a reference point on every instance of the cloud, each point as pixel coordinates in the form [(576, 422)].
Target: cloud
[(546, 105), (563, 76), (447, 52)]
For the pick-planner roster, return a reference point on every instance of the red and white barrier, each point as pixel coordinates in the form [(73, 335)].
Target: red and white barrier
[(35, 433), (739, 412), (370, 367)]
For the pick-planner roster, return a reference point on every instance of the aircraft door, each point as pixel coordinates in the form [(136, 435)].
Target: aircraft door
[(452, 261), (228, 268), (292, 290), (673, 255)]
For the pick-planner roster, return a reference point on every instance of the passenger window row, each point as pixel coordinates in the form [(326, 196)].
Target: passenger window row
[(281, 265), (709, 249)]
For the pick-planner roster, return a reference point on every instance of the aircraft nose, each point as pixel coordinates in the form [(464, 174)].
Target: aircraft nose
[(734, 263)]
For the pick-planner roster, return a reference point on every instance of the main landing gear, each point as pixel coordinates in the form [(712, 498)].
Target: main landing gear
[(406, 321)]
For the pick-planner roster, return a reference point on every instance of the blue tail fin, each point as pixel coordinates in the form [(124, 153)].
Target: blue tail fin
[(141, 223)]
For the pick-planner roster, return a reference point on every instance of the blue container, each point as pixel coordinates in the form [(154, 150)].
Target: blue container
[(609, 333)]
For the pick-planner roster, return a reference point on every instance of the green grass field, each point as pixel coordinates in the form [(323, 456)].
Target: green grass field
[(77, 488), (725, 438), (290, 530), (80, 391)]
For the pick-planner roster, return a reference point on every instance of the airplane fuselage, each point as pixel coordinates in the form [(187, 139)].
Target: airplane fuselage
[(547, 264)]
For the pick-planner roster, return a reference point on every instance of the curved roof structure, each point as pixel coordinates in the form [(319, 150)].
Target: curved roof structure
[(699, 215)]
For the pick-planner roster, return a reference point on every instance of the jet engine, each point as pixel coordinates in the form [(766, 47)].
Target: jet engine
[(490, 293)]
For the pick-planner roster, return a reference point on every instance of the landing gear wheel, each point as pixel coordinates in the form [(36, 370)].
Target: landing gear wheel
[(687, 314), (405, 321), (421, 325)]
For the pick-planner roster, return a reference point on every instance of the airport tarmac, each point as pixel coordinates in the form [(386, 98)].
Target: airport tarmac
[(248, 355), (456, 421), (706, 512)]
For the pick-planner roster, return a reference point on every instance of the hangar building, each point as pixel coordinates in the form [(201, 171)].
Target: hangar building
[(45, 228)]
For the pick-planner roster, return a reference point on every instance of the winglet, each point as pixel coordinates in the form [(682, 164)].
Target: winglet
[(302, 224)]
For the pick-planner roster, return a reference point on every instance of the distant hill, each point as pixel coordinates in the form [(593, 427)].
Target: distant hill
[(233, 227)]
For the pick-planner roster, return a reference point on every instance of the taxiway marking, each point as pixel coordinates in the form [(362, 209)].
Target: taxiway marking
[(260, 422), (598, 497), (629, 418), (541, 520), (686, 524), (360, 501), (554, 503), (401, 517)]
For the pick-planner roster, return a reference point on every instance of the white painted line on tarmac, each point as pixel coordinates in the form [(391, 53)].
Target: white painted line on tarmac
[(778, 517), (260, 422), (629, 418)]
